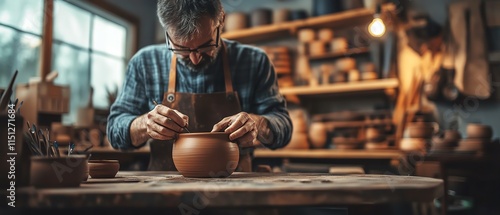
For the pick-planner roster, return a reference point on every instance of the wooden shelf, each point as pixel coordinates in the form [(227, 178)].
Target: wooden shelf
[(266, 32), (347, 87), (334, 55), (329, 153)]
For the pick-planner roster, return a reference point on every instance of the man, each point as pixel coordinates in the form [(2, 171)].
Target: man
[(204, 83)]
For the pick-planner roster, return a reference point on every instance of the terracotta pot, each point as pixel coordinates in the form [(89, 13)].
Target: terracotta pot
[(325, 34), (67, 171), (317, 135), (345, 64), (339, 45), (205, 154), (306, 35), (421, 129), (452, 136), (476, 130), (236, 21), (299, 120), (377, 145), (103, 168), (317, 48), (373, 133), (261, 16), (280, 15), (298, 141)]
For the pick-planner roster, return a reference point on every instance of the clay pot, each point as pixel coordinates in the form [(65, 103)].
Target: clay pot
[(299, 120), (261, 16), (280, 15), (345, 64), (353, 75), (306, 35), (103, 168), (476, 130), (205, 154), (374, 134), (376, 145), (52, 172), (421, 129), (317, 47), (317, 135), (325, 34), (236, 21), (452, 136)]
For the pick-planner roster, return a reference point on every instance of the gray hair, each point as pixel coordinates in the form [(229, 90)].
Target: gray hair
[(182, 16)]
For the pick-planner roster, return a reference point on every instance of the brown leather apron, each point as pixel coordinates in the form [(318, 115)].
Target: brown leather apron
[(204, 111)]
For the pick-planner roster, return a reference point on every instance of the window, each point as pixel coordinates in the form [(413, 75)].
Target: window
[(90, 49)]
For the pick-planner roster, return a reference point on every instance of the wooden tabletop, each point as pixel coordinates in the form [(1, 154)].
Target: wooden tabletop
[(169, 190), (329, 154)]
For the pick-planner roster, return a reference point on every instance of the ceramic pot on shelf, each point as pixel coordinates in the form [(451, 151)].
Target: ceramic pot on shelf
[(318, 134)]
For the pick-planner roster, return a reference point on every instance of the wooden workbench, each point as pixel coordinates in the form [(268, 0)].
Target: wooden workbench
[(160, 190)]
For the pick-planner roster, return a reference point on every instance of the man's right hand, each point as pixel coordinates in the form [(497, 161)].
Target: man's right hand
[(164, 123)]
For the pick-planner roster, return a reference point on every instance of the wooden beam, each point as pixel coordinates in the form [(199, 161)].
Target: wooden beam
[(46, 51)]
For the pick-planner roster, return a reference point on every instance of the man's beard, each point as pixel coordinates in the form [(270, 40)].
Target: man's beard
[(205, 62)]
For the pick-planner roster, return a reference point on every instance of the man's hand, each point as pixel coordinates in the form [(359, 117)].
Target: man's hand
[(244, 128), (164, 123)]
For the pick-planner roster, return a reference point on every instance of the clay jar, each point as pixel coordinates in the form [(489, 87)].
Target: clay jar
[(476, 130), (317, 134), (421, 129), (236, 21), (53, 172), (205, 154), (103, 168)]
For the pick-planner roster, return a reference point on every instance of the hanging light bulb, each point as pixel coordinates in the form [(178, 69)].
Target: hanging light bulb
[(377, 27)]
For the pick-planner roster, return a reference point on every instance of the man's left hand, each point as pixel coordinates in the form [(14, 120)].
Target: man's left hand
[(242, 128)]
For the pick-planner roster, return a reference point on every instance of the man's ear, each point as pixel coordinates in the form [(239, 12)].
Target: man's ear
[(223, 20)]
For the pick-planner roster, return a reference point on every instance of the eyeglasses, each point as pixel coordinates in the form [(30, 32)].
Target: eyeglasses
[(187, 51)]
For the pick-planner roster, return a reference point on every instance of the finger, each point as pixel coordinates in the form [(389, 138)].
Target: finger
[(237, 123), (157, 136), (223, 124), (246, 140), (184, 118), (171, 113), (246, 128), (164, 121), (162, 130)]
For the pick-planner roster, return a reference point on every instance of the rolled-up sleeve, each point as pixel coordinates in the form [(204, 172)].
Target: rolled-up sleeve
[(270, 104), (129, 104)]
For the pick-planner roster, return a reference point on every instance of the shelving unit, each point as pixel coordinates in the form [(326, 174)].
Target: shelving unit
[(334, 55), (273, 31), (338, 88)]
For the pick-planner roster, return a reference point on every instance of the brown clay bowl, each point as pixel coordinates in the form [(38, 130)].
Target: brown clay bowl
[(205, 155), (298, 141), (476, 130), (54, 172), (103, 168), (421, 129)]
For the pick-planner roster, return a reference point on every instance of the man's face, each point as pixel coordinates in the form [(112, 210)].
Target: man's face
[(199, 51)]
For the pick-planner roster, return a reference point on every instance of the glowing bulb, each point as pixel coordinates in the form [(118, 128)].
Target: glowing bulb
[(376, 27)]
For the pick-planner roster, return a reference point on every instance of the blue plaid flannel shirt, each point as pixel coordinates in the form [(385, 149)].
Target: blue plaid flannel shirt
[(147, 77)]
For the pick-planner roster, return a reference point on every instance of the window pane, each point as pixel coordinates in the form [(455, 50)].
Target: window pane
[(26, 15), (108, 37), (71, 24), (18, 51), (107, 74), (73, 67)]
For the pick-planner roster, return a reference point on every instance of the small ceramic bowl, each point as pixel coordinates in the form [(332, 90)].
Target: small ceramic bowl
[(53, 172), (103, 168)]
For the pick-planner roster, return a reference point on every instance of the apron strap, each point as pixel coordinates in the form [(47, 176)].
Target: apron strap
[(227, 73)]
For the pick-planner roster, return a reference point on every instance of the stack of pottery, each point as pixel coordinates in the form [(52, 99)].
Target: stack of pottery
[(280, 58), (478, 139), (445, 142), (375, 138), (418, 135)]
